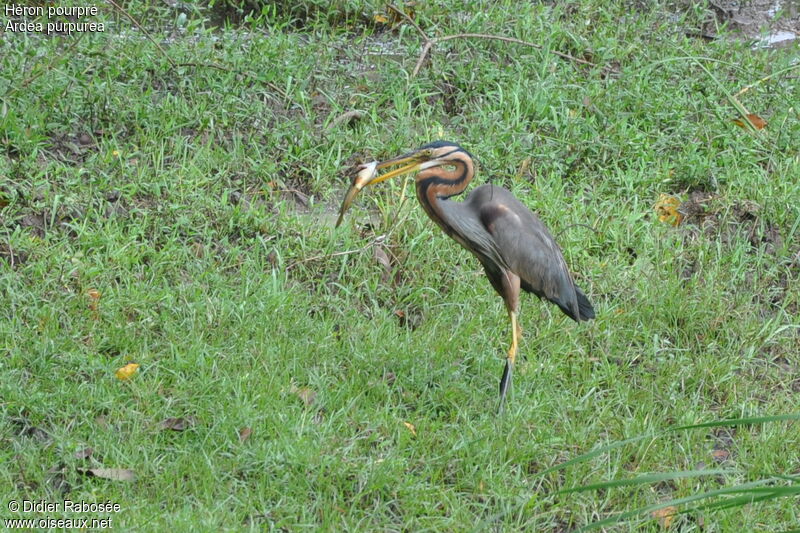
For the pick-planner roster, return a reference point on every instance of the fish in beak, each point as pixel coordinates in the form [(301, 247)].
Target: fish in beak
[(368, 175), (360, 181)]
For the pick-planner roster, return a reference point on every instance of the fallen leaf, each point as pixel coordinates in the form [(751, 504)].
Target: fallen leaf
[(720, 455), (523, 168), (177, 424), (411, 428), (94, 302), (84, 453), (244, 434), (754, 120), (383, 259), (304, 393), (667, 209), (115, 474), (126, 372), (94, 298), (665, 516)]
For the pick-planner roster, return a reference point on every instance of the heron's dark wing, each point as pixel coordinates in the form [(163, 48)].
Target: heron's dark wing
[(528, 249)]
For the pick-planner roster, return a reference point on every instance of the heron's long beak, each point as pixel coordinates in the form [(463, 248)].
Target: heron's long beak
[(411, 163), (368, 176)]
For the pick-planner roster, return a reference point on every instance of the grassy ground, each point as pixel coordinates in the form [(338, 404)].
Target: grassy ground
[(181, 218)]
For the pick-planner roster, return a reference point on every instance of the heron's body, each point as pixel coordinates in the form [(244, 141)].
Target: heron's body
[(510, 241), (514, 247)]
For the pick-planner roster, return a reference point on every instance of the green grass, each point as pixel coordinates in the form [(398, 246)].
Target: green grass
[(171, 191)]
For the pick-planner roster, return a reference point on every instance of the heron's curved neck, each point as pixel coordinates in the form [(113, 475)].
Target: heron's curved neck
[(438, 183)]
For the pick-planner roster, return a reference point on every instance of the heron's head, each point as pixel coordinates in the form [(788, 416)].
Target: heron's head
[(435, 154), (431, 155)]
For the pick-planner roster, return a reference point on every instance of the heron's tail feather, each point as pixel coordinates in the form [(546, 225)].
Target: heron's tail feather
[(584, 305)]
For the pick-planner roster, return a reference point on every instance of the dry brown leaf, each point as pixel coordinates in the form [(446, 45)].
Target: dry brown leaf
[(126, 372), (94, 302), (115, 474), (244, 434), (754, 120), (84, 453), (667, 209), (411, 428), (665, 516), (720, 455), (177, 424), (304, 393), (383, 259)]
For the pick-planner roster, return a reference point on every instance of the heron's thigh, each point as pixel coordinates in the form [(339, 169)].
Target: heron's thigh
[(510, 283)]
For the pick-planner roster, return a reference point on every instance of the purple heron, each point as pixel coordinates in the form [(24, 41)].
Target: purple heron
[(513, 245)]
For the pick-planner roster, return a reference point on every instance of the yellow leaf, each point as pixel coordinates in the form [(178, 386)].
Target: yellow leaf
[(94, 298), (126, 372), (667, 209), (523, 168), (665, 516), (380, 19), (411, 428)]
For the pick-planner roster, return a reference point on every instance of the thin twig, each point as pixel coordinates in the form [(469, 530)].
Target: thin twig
[(207, 65), (587, 226), (431, 42), (517, 41), (422, 55), (236, 71), (377, 240), (409, 19), (26, 82), (765, 78), (144, 31)]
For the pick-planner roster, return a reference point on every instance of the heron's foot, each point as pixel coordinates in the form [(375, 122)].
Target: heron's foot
[(505, 383)]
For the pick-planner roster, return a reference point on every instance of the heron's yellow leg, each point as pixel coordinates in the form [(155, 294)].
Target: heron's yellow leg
[(505, 381), (516, 333)]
